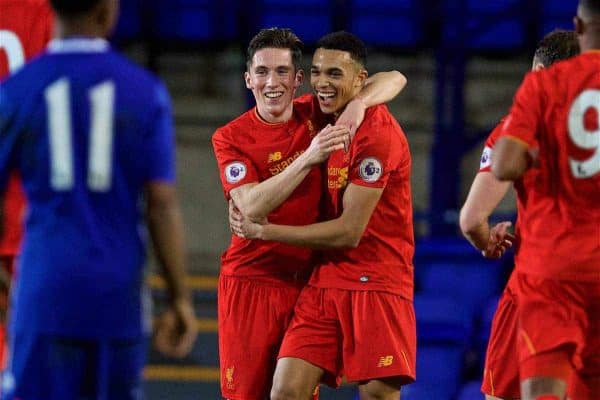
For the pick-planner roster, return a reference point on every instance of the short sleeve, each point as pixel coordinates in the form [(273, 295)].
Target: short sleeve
[(526, 113), (371, 162), (485, 162), (160, 143), (235, 167)]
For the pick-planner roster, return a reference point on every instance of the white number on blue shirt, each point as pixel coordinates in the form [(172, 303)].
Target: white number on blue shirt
[(58, 101), (589, 140)]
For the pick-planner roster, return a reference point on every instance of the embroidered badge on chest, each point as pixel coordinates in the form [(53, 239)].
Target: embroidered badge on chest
[(370, 169), (235, 172)]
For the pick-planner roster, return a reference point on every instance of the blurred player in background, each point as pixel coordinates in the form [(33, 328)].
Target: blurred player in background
[(355, 317), (551, 140), (268, 160), (25, 28), (69, 123), (501, 373)]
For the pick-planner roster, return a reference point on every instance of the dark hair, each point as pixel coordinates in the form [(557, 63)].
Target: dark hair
[(278, 38), (73, 8), (556, 46), (592, 6), (345, 41)]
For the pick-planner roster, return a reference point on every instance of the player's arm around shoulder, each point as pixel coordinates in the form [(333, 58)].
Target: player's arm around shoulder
[(378, 89)]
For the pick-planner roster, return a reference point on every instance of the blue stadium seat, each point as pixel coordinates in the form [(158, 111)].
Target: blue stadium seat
[(483, 332), (470, 391), (441, 319), (196, 20), (485, 25), (557, 14), (471, 284), (487, 316), (439, 370), (309, 19), (387, 23)]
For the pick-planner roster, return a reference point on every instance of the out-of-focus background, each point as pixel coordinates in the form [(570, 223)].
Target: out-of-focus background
[(464, 60)]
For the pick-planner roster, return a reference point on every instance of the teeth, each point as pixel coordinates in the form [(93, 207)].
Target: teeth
[(325, 96), (273, 95)]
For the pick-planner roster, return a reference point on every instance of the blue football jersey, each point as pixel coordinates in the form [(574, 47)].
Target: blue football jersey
[(86, 129)]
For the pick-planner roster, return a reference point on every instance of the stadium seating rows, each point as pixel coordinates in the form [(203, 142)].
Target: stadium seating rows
[(391, 24)]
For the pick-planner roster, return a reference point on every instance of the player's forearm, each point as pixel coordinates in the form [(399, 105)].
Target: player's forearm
[(334, 234), (484, 196), (478, 235), (259, 200), (382, 87), (165, 223)]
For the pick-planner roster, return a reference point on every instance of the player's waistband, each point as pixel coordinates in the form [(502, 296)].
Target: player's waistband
[(295, 278)]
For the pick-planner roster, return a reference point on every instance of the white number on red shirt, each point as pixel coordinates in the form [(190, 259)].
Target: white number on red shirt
[(10, 43), (582, 138)]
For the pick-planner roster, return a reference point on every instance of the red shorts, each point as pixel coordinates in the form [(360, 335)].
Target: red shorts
[(555, 315), (363, 335), (253, 317), (501, 372)]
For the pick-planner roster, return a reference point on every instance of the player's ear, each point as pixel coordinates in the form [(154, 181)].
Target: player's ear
[(299, 78), (537, 64), (247, 80), (361, 77)]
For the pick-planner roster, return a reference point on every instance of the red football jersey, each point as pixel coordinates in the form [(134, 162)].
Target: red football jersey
[(25, 28), (555, 113), (249, 150), (520, 185), (378, 157)]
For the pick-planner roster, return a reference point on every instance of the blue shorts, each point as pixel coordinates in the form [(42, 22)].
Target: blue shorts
[(49, 367)]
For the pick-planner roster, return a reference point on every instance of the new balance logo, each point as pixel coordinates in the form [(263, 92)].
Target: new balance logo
[(229, 376), (385, 361), (275, 156)]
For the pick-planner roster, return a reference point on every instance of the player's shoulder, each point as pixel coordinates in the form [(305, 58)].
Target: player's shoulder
[(305, 101), (379, 114), (27, 5), (133, 71), (27, 78), (305, 106), (43, 4), (556, 73), (238, 126), (25, 12), (40, 7), (496, 132), (380, 118)]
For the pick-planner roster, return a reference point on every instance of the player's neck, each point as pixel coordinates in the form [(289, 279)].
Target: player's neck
[(77, 28), (275, 119), (590, 45)]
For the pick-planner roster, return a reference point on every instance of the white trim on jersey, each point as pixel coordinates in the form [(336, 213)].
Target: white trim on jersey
[(78, 45)]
